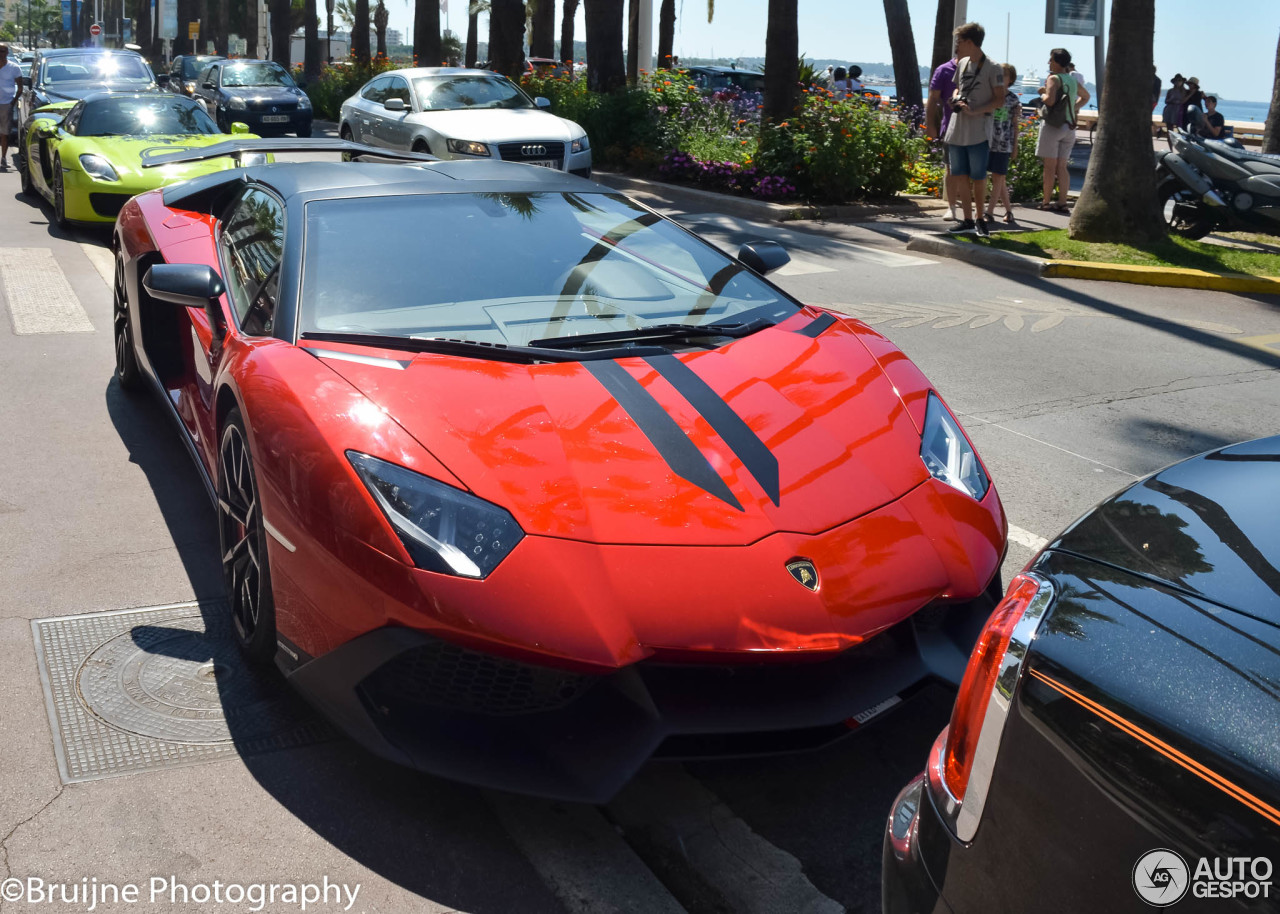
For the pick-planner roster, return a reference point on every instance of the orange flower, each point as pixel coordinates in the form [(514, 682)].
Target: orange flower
[(783, 124)]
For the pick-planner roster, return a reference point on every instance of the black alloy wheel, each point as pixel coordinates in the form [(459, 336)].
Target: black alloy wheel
[(24, 174), (243, 539), (127, 371), (1182, 213), (59, 196)]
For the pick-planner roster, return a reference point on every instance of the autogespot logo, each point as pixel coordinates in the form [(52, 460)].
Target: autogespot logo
[(1160, 877)]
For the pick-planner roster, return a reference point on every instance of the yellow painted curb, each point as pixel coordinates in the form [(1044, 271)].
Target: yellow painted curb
[(1179, 277)]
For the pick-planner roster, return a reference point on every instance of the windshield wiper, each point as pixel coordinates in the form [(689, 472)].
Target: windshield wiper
[(498, 352), (734, 329)]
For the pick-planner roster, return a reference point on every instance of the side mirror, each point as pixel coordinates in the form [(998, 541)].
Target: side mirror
[(162, 80), (209, 86), (239, 128), (763, 256), (543, 103), (47, 127), (395, 104), (190, 285)]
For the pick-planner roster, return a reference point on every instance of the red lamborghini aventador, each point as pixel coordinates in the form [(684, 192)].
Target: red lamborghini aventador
[(524, 484)]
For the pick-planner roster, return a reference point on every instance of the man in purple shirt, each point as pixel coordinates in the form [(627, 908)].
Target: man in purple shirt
[(937, 114)]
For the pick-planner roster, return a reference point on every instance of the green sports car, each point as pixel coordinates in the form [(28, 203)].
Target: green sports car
[(86, 157)]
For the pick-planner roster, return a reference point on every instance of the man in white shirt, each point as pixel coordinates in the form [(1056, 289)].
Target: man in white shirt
[(979, 91), (9, 73)]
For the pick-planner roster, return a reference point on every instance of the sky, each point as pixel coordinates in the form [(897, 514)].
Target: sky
[(1232, 49)]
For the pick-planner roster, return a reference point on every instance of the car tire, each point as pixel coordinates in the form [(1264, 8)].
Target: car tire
[(242, 537), (304, 134), (421, 147), (24, 177), (59, 195), (344, 133), (223, 124), (127, 371)]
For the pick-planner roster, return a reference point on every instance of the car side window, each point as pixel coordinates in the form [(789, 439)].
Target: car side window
[(72, 120), (211, 77), (398, 87), (252, 242), (376, 91)]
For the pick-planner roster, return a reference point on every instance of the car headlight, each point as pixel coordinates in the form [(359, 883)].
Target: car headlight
[(304, 102), (236, 103), (190, 86), (443, 528), (95, 166), (249, 159), (468, 148), (947, 454), (581, 144)]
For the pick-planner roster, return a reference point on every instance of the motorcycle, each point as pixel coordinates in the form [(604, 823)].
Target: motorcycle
[(1208, 184)]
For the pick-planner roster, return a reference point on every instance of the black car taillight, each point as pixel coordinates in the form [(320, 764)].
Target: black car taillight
[(964, 755)]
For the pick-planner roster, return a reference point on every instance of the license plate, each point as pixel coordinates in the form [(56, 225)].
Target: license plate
[(275, 119), (544, 163)]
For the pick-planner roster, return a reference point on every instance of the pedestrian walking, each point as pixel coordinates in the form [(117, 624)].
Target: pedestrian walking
[(979, 91), (1174, 99), (9, 74), (937, 116), (1004, 145), (1062, 97)]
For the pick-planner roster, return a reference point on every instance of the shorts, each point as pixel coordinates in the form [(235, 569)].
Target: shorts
[(970, 161), (1055, 142), (5, 112), (998, 162)]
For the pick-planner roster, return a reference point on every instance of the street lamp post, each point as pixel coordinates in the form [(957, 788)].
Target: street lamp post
[(328, 35)]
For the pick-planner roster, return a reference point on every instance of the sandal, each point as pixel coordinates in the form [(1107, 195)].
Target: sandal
[(1060, 208), (1008, 217), (1046, 206)]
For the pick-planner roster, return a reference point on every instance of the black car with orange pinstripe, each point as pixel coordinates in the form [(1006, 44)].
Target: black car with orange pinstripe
[(1115, 744)]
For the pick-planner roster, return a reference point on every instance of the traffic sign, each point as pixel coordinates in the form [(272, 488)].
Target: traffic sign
[(95, 29)]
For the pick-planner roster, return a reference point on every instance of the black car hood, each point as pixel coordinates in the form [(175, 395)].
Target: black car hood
[(73, 93), (1209, 526), (272, 94)]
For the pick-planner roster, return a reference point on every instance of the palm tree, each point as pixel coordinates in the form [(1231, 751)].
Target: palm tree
[(426, 32), (906, 72), (474, 9), (633, 41), (311, 63), (221, 24), (380, 27), (1271, 135), (666, 33), (566, 31), (605, 64), (281, 27), (781, 61), (360, 33), (142, 34), (506, 37), (1118, 200), (943, 38), (542, 42)]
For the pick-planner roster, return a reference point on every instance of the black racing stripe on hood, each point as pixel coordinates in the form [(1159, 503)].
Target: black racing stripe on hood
[(816, 327), (671, 441), (744, 442)]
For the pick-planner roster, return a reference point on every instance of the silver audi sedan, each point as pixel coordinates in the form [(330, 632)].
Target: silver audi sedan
[(457, 113)]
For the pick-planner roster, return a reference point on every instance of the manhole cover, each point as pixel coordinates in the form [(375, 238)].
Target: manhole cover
[(152, 688)]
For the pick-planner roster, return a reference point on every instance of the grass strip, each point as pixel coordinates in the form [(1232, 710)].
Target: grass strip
[(1053, 244)]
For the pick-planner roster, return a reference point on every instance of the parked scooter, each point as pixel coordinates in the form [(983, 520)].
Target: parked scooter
[(1207, 184)]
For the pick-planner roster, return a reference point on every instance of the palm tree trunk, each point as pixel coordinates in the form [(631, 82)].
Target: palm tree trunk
[(1271, 135), (633, 41), (222, 22), (380, 16), (566, 31), (506, 37), (666, 33), (360, 33), (944, 26), (249, 26), (781, 61), (202, 15), (543, 41), (142, 28), (280, 31), (606, 67), (906, 72), (1118, 200), (426, 32), (311, 50), (473, 39)]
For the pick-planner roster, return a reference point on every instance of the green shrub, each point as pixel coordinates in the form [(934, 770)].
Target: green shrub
[(1026, 172), (337, 84)]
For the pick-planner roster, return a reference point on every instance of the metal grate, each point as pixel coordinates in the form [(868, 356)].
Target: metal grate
[(531, 149), (140, 689), (108, 204), (444, 675)]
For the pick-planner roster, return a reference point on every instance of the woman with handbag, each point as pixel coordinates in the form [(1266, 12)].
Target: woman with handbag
[(1063, 96)]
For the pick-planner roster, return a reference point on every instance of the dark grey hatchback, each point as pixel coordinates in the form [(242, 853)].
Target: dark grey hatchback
[(260, 93)]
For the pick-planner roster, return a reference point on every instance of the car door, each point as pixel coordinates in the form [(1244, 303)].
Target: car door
[(250, 246), (207, 90), (393, 128), (370, 110)]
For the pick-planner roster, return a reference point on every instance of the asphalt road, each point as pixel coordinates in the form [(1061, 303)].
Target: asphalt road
[(1069, 389)]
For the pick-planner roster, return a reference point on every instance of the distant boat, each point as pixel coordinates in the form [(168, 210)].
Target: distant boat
[(1030, 83)]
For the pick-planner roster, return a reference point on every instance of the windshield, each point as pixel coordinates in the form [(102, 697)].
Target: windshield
[(194, 66), (451, 93), (144, 117), (74, 68), (256, 74), (514, 268)]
